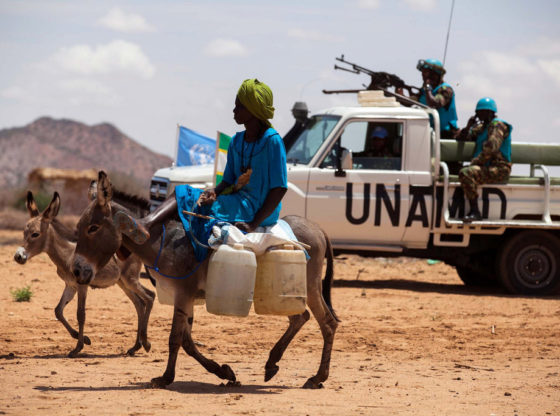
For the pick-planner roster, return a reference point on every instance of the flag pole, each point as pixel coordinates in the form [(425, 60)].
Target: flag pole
[(216, 156), (176, 144)]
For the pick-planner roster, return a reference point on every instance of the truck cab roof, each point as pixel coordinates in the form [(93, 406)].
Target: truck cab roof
[(378, 112)]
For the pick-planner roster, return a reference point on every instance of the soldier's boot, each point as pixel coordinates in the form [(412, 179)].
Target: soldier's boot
[(137, 229), (474, 213)]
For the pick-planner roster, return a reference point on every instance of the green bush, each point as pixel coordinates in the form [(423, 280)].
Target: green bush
[(22, 294), (42, 199)]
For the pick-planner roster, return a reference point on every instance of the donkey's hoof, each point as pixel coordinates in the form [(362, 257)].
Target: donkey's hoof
[(131, 228), (227, 373), (312, 384), (87, 340), (270, 372), (74, 353), (147, 346), (132, 351), (160, 382)]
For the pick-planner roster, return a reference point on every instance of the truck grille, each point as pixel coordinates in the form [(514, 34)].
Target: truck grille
[(158, 191)]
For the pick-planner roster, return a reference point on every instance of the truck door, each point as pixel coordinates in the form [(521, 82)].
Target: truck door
[(369, 203)]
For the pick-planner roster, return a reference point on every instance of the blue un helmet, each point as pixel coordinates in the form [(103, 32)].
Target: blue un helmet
[(431, 64), (380, 132), (487, 103)]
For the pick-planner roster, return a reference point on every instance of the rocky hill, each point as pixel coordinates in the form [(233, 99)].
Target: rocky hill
[(68, 144)]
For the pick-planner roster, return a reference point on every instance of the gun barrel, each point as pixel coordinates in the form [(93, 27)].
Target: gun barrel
[(346, 69), (341, 91)]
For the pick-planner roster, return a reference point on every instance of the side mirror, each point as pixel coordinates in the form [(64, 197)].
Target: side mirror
[(346, 159), (344, 162)]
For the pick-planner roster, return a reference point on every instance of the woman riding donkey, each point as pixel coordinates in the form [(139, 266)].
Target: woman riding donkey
[(254, 181)]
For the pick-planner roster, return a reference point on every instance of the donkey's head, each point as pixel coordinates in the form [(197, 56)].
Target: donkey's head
[(98, 238), (35, 231)]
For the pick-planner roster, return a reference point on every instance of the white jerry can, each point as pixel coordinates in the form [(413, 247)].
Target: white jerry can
[(230, 281), (165, 290), (281, 285)]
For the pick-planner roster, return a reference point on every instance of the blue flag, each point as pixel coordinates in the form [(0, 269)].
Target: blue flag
[(194, 148)]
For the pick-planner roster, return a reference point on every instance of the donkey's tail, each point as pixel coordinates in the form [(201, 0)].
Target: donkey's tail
[(329, 274)]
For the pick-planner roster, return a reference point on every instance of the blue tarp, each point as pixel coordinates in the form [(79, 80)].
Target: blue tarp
[(194, 148)]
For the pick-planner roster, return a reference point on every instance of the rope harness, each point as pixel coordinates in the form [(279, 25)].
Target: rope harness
[(156, 268)]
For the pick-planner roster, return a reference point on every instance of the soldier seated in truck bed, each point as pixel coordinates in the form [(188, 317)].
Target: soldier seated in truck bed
[(492, 156)]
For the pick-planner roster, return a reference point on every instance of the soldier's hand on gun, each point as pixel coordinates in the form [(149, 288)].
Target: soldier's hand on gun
[(208, 197)]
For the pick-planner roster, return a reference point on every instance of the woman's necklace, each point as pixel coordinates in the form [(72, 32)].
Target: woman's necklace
[(248, 165)]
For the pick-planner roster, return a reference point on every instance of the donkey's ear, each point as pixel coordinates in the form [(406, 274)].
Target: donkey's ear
[(104, 190), (31, 205), (52, 210), (92, 191)]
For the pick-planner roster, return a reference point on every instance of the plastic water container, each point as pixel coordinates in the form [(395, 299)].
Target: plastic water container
[(281, 285), (230, 281), (165, 290)]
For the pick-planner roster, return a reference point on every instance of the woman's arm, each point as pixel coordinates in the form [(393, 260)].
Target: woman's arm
[(209, 196), (271, 201)]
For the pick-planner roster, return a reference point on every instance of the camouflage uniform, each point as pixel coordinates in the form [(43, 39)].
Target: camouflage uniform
[(442, 98), (490, 166)]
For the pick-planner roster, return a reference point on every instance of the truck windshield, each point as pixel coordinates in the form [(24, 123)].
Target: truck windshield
[(316, 130)]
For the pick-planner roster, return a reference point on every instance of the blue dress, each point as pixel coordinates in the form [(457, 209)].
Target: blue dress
[(267, 159)]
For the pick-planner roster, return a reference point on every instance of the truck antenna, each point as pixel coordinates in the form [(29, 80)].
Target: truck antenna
[(448, 30)]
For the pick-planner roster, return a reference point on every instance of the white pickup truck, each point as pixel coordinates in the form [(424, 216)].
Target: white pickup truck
[(408, 204)]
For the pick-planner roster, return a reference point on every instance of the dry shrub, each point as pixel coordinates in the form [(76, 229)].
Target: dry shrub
[(129, 184), (11, 219)]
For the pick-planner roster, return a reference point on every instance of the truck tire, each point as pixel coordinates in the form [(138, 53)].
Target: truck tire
[(529, 263), (471, 277)]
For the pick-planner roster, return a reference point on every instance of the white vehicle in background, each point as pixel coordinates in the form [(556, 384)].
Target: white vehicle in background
[(409, 205), (165, 180)]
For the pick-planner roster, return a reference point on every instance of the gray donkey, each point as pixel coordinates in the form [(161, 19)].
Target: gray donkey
[(99, 238), (44, 233)]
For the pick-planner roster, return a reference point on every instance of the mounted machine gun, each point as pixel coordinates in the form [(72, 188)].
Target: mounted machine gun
[(379, 81)]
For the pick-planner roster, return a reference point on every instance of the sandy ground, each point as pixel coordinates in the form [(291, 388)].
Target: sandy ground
[(413, 340)]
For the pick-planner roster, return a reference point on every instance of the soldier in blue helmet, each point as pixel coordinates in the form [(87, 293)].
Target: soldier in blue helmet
[(376, 144), (491, 162), (437, 94)]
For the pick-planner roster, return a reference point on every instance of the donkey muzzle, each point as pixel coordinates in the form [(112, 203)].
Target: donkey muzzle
[(82, 272), (20, 256)]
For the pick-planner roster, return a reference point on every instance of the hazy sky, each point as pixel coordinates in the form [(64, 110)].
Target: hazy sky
[(147, 65)]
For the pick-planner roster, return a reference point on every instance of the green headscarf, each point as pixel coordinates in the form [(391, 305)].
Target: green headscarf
[(256, 96)]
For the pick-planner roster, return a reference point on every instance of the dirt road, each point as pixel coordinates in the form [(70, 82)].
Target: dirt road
[(413, 340)]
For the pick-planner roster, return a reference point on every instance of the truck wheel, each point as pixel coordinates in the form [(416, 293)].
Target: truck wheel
[(529, 263), (471, 277)]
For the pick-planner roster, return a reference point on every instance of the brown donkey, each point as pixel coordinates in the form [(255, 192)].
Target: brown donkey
[(98, 239), (44, 233)]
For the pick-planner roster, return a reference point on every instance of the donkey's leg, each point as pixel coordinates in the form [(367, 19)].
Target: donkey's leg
[(81, 314), (140, 307), (147, 297), (328, 325), (67, 296), (276, 353), (178, 328), (224, 371)]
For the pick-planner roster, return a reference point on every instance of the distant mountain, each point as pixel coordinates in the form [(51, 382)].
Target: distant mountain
[(68, 144)]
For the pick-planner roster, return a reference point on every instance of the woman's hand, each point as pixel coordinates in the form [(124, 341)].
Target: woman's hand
[(244, 226), (208, 197)]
